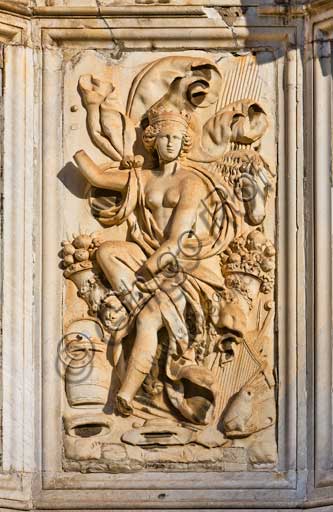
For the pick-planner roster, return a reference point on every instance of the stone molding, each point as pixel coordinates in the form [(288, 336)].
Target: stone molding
[(19, 366), (10, 34), (192, 8), (321, 33)]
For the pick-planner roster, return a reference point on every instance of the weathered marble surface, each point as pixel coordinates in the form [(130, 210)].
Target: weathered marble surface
[(177, 314), (157, 398)]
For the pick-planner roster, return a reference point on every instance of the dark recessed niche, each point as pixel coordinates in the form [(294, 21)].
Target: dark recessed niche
[(88, 430)]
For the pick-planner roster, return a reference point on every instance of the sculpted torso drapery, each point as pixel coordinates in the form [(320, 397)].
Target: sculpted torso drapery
[(180, 313)]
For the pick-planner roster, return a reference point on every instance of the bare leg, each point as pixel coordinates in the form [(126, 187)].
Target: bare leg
[(148, 323), (119, 361), (119, 262)]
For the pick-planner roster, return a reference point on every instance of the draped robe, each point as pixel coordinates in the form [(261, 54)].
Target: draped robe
[(198, 278)]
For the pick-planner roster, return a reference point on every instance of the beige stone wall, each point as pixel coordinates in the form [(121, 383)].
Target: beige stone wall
[(128, 129)]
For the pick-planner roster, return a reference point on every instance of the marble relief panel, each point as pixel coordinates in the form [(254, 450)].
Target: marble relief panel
[(168, 261)]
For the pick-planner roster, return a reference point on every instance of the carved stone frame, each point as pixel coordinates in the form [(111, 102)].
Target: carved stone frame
[(19, 352), (197, 490), (320, 239)]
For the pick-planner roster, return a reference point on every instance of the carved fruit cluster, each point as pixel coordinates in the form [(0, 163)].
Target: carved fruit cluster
[(238, 161), (77, 254), (253, 255)]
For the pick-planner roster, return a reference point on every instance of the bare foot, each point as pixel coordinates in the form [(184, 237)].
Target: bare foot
[(123, 407)]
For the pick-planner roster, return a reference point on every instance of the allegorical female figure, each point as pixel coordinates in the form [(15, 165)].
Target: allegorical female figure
[(181, 218)]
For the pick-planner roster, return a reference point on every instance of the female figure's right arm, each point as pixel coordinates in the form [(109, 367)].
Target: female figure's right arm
[(115, 180)]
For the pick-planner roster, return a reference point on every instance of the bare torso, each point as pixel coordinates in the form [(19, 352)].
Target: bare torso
[(179, 199), (163, 193)]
